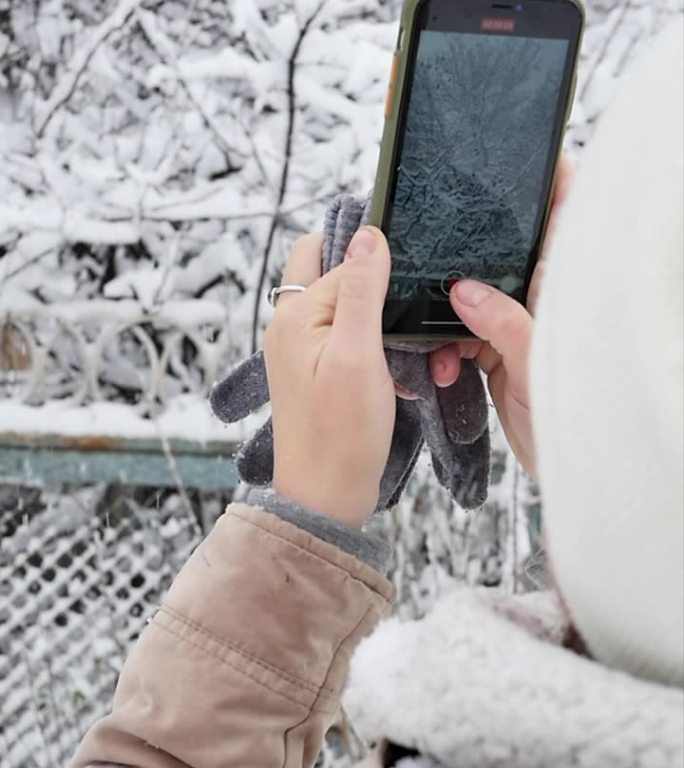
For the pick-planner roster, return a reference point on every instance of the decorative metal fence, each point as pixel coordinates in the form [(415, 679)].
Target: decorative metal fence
[(111, 394), (112, 351)]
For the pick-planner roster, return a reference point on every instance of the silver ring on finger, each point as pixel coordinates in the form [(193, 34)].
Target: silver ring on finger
[(275, 292)]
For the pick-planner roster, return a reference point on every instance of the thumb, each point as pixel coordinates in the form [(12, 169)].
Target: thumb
[(500, 320), (363, 281)]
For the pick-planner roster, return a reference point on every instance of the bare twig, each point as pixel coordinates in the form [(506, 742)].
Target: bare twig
[(284, 178), (177, 479), (171, 261), (255, 154), (28, 263)]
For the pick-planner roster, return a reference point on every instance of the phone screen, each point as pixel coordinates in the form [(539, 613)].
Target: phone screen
[(472, 178)]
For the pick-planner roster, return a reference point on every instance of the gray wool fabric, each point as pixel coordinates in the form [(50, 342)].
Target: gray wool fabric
[(452, 421), (372, 549)]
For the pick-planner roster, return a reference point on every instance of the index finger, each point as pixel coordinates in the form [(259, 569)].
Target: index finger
[(564, 177)]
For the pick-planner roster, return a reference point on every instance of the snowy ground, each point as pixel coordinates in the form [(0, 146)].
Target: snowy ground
[(153, 153)]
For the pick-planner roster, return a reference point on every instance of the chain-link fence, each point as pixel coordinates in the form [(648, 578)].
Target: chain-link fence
[(81, 569)]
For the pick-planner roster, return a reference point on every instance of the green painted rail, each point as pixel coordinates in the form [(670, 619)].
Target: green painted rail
[(102, 459)]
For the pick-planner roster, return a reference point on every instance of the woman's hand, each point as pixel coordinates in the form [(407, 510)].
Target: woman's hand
[(505, 329), (332, 395)]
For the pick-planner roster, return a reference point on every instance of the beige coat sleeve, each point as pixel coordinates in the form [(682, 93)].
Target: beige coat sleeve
[(243, 665)]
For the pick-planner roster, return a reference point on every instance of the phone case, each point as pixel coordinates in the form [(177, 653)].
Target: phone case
[(383, 178)]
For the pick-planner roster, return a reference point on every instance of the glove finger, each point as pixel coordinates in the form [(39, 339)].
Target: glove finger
[(410, 371), (432, 427), (475, 461), (254, 461), (465, 473), (401, 485), (463, 405), (242, 392), (406, 442), (342, 220)]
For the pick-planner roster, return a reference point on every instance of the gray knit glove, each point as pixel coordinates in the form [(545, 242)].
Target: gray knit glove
[(452, 421)]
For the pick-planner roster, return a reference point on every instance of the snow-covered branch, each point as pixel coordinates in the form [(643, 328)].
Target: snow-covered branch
[(79, 63), (164, 48)]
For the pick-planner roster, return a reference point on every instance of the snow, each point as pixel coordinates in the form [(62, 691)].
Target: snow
[(208, 200), (79, 62), (184, 418), (141, 163), (189, 314), (80, 228), (227, 64)]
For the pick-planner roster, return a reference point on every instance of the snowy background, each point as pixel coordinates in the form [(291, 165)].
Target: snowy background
[(157, 159)]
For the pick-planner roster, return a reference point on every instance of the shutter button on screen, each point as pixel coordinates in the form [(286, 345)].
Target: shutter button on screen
[(449, 280)]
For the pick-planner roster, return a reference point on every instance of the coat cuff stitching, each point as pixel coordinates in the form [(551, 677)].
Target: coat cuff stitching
[(234, 667)]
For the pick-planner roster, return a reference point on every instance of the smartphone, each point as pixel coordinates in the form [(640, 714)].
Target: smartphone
[(478, 100)]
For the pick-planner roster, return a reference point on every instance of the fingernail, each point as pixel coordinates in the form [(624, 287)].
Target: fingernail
[(470, 292), (362, 244)]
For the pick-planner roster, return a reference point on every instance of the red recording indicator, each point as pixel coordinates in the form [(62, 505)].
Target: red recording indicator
[(498, 25)]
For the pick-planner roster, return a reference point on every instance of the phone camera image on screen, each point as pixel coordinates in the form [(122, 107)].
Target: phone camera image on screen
[(472, 171), (475, 152)]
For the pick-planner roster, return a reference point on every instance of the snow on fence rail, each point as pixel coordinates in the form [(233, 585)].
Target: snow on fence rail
[(104, 392)]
